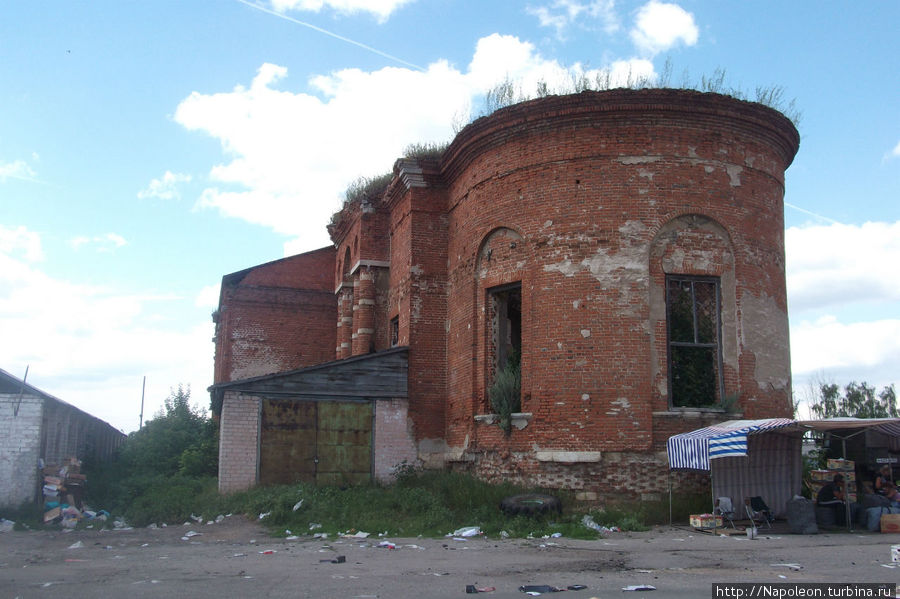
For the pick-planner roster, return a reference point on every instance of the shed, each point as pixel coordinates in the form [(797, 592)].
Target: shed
[(36, 426)]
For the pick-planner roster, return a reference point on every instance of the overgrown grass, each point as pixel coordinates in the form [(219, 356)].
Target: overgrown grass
[(508, 91), (429, 504)]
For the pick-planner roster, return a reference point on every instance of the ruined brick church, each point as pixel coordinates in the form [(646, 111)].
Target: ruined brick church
[(626, 247)]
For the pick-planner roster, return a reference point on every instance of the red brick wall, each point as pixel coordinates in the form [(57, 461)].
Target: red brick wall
[(276, 317), (588, 201), (593, 184)]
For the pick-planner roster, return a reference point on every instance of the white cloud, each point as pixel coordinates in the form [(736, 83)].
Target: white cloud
[(18, 169), (290, 155), (660, 25), (91, 345), (827, 349), (208, 297), (562, 14), (380, 8), (166, 187), (839, 278), (21, 241), (838, 264), (896, 150), (102, 243)]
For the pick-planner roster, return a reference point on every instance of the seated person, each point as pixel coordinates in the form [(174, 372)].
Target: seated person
[(883, 476), (832, 495), (891, 493)]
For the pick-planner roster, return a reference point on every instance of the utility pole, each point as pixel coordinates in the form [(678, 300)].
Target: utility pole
[(21, 392), (143, 388)]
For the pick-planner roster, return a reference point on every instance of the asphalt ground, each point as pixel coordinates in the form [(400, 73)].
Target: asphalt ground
[(238, 558)]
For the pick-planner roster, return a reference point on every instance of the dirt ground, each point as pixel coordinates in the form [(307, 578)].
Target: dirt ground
[(237, 558)]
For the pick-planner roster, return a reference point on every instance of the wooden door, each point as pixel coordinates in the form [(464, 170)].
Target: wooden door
[(325, 441)]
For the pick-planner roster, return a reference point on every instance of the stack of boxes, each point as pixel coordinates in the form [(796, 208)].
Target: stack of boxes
[(706, 521), (63, 490), (820, 478)]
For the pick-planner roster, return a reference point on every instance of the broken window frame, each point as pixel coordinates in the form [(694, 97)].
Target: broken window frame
[(685, 394), (395, 331)]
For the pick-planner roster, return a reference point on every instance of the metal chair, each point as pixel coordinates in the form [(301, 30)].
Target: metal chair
[(758, 511), (725, 508)]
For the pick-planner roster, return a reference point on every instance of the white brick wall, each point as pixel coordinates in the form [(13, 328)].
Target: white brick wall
[(239, 442), (20, 448), (394, 442)]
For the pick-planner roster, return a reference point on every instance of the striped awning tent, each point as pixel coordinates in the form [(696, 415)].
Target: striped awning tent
[(694, 450)]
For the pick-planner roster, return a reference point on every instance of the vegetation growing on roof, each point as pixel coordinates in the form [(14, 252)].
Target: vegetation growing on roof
[(361, 189), (425, 151), (509, 92)]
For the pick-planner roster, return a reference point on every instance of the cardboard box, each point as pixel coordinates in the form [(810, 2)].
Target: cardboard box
[(707, 521), (824, 476), (890, 523), (840, 464), (53, 514)]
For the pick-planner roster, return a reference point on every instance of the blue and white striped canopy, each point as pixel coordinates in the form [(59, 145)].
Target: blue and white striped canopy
[(695, 449)]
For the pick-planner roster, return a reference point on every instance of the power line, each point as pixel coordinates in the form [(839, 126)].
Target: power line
[(334, 35)]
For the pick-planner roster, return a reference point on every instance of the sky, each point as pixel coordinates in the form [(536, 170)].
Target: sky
[(149, 148)]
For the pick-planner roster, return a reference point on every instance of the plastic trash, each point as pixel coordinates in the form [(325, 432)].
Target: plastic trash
[(297, 506), (539, 589), (589, 522), (466, 531), (76, 545), (340, 559), (264, 515), (639, 587), (387, 545), (794, 567), (358, 535), (219, 518), (472, 589), (6, 525), (314, 525)]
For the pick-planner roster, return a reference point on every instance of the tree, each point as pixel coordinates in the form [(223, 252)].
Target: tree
[(857, 401), (178, 440)]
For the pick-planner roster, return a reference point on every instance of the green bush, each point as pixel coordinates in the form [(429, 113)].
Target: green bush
[(505, 392), (162, 471)]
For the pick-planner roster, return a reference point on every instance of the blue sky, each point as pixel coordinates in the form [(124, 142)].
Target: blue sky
[(147, 149)]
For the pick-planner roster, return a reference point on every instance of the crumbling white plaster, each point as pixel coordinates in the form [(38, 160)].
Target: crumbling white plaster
[(734, 174), (768, 341), (567, 457), (566, 267), (627, 160)]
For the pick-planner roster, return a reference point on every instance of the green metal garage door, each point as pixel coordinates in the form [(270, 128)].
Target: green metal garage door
[(326, 441)]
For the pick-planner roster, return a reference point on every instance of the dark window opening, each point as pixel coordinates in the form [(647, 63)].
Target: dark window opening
[(395, 331), (504, 379), (693, 314), (506, 325)]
